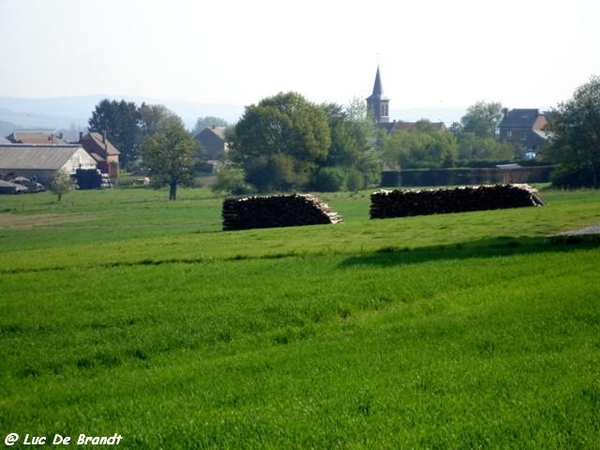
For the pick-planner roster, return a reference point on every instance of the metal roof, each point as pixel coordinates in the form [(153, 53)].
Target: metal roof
[(35, 157)]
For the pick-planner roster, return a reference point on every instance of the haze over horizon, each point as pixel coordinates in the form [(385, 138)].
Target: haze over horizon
[(432, 55)]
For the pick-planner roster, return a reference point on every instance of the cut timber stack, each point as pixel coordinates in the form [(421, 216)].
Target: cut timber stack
[(403, 203), (276, 211)]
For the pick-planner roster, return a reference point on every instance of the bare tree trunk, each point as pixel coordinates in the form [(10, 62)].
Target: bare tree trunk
[(173, 191)]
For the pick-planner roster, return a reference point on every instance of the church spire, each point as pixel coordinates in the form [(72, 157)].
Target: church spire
[(378, 102), (377, 87)]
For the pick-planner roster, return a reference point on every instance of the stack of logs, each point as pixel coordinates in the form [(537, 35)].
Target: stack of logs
[(402, 203), (276, 211)]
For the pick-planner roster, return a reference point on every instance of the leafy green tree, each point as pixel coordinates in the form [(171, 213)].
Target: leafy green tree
[(344, 149), (279, 142), (474, 148), (575, 142), (481, 119), (353, 139), (208, 122), (476, 134), (170, 157), (422, 146), (120, 119), (155, 119), (61, 184), (231, 181), (329, 179)]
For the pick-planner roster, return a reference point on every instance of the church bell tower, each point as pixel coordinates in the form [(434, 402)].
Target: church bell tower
[(378, 103)]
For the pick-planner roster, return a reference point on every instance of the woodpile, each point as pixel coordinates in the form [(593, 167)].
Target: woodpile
[(276, 211), (403, 203)]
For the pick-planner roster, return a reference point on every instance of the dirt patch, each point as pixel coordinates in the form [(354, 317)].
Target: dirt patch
[(9, 221)]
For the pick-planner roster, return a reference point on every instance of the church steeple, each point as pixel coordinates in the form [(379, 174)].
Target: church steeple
[(378, 102)]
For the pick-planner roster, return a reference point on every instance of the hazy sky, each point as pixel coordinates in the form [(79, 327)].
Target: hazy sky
[(437, 53)]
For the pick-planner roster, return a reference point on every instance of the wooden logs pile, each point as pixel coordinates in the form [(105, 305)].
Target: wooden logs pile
[(403, 203), (276, 211)]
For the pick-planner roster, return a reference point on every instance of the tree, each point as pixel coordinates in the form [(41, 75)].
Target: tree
[(61, 184), (352, 149), (474, 148), (231, 181), (120, 119), (170, 156), (154, 119), (422, 146), (482, 119), (280, 141), (476, 134), (207, 122), (575, 142)]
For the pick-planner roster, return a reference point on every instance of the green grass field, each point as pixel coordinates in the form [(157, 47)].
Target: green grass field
[(121, 312)]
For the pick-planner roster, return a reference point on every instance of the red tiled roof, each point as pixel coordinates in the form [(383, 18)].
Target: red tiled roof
[(35, 137), (94, 142)]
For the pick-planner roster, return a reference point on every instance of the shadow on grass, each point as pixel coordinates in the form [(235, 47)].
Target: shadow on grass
[(486, 248)]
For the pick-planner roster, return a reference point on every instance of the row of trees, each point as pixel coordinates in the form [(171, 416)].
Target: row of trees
[(285, 142), (471, 140), (282, 143), (288, 143)]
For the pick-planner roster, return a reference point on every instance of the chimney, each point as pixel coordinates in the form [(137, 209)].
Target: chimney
[(104, 137), (80, 136)]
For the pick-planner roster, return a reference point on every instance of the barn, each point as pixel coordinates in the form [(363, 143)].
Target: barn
[(43, 161)]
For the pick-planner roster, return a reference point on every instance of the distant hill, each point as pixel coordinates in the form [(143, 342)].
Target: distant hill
[(74, 112), (71, 114)]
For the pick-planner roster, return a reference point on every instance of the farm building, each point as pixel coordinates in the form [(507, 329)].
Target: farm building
[(214, 143), (43, 161), (103, 151)]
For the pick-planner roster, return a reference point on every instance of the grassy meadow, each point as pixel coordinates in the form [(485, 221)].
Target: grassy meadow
[(121, 312)]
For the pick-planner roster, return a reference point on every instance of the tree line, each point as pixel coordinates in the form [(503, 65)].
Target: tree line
[(286, 142)]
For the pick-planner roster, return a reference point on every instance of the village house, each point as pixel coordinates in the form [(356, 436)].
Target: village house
[(214, 143), (524, 129), (103, 151)]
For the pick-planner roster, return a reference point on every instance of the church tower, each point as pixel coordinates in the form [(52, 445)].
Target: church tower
[(378, 102)]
